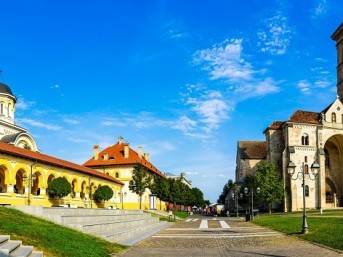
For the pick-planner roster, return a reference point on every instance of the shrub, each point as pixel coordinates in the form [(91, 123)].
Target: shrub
[(103, 193), (59, 187)]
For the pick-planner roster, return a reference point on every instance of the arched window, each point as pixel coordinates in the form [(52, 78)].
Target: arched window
[(304, 140), (2, 108), (306, 169), (333, 117), (117, 175), (307, 191)]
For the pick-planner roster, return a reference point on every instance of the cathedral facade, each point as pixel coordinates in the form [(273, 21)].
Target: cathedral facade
[(305, 140)]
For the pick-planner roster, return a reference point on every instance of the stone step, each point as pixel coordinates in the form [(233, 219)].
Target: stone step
[(66, 219), (14, 248), (9, 246), (125, 234), (114, 225), (22, 251)]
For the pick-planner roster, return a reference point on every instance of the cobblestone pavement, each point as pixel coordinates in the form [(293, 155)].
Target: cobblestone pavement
[(222, 236)]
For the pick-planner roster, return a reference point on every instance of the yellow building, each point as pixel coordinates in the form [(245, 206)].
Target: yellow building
[(118, 161), (25, 173)]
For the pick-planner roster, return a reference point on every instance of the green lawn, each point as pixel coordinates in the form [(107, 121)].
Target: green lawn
[(181, 214), (325, 229), (54, 240)]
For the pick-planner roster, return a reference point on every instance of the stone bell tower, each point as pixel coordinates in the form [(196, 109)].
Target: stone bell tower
[(338, 37)]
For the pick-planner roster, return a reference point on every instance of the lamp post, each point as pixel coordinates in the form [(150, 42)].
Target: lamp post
[(122, 195), (291, 170), (246, 191), (32, 178), (235, 197)]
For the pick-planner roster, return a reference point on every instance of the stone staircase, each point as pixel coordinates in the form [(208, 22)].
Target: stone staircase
[(14, 248), (120, 226)]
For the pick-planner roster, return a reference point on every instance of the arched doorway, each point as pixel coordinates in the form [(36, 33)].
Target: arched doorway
[(19, 187), (83, 190), (2, 181), (330, 192), (333, 150)]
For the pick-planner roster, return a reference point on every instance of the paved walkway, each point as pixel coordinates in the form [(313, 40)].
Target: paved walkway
[(223, 237)]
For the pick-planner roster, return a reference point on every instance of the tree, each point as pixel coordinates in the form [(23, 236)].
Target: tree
[(140, 181), (226, 190), (59, 187), (271, 184), (103, 193), (198, 197), (159, 188)]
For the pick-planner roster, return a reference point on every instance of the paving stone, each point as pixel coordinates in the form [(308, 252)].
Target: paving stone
[(242, 239)]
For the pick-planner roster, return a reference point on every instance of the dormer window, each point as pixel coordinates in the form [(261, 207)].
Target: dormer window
[(304, 140), (333, 117)]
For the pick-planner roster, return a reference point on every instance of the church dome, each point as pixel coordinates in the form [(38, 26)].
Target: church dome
[(4, 89)]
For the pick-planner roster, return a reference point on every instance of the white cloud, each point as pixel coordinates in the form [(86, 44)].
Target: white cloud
[(24, 105), (113, 122), (211, 108), (71, 121), (225, 61), (78, 140), (304, 86), (275, 38), (39, 124), (185, 124), (258, 88), (322, 84), (321, 8)]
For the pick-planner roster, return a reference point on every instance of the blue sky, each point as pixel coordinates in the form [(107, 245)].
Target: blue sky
[(183, 79)]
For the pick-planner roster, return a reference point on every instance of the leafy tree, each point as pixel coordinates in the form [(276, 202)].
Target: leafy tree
[(251, 183), (226, 190), (103, 193), (271, 184), (140, 181), (198, 197), (159, 188), (59, 187)]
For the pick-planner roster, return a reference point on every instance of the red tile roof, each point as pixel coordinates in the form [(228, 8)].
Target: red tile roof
[(252, 149), (116, 157), (43, 158), (274, 126), (305, 117)]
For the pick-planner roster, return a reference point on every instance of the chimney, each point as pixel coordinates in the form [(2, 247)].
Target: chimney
[(105, 156), (147, 157), (126, 151), (96, 152), (120, 140), (140, 150)]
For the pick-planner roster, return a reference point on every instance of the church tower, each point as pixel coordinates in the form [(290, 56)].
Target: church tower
[(338, 37)]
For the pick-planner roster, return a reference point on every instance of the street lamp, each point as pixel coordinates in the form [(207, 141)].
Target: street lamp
[(122, 195), (291, 169), (235, 198), (246, 190), (32, 178)]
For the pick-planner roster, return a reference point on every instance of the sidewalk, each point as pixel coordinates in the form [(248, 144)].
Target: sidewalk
[(240, 239)]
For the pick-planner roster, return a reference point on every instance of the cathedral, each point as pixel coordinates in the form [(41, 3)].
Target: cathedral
[(295, 146)]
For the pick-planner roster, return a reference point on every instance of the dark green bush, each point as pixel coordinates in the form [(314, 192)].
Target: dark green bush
[(59, 187), (103, 193)]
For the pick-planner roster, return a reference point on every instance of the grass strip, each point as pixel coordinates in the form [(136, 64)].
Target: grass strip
[(54, 240), (325, 230)]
